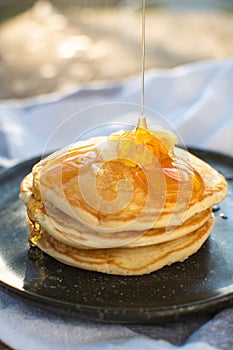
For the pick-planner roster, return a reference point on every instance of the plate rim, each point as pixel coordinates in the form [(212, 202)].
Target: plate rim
[(111, 314)]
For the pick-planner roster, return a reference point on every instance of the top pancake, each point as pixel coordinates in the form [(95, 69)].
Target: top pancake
[(99, 207)]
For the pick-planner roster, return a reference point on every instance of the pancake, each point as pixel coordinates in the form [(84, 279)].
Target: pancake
[(71, 232), (77, 231), (127, 204), (215, 189), (128, 261)]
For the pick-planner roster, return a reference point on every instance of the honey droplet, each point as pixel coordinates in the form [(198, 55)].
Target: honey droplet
[(142, 122), (35, 234)]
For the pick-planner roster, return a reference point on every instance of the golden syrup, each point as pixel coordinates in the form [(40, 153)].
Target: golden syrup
[(143, 150), (35, 234), (142, 122), (65, 167), (33, 207)]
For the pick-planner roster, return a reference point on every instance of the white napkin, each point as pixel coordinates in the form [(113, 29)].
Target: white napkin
[(196, 100)]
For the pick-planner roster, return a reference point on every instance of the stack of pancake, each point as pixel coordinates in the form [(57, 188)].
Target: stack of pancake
[(127, 204)]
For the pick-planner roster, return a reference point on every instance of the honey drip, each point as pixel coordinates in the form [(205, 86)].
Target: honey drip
[(141, 149), (35, 234), (33, 207), (142, 122), (143, 60)]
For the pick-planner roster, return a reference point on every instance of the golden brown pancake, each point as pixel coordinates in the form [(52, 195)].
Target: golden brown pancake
[(70, 232), (128, 261), (128, 204)]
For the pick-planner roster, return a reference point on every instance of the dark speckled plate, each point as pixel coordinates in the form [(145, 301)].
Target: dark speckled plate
[(203, 283)]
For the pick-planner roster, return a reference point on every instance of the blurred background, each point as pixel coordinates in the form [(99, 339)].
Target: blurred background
[(56, 45)]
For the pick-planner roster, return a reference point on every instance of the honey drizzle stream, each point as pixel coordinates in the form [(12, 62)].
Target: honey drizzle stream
[(142, 118)]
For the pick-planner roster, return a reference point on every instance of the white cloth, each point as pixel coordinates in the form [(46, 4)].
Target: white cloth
[(25, 328), (197, 102), (195, 99)]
